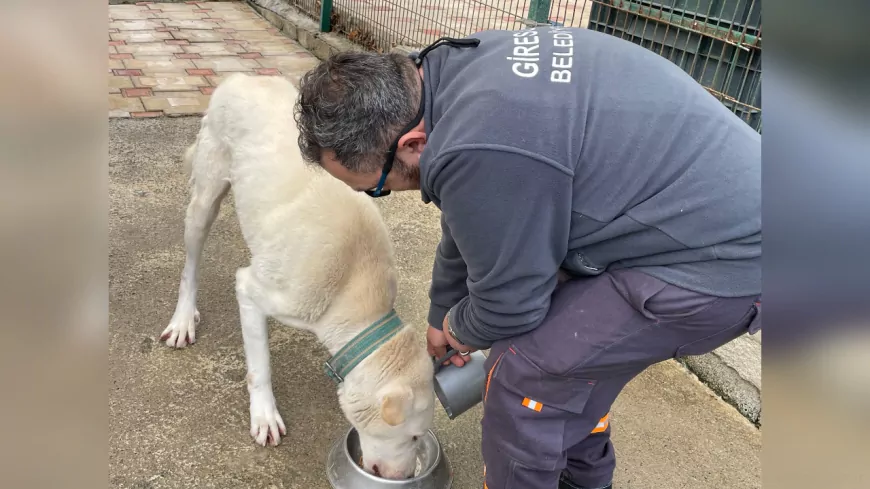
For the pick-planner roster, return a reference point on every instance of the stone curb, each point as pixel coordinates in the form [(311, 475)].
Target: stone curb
[(733, 371), (299, 27)]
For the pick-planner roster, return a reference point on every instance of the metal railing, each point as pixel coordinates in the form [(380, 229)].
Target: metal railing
[(383, 24), (309, 7), (718, 42)]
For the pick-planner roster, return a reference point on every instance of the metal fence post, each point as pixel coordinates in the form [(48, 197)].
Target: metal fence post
[(539, 11), (325, 15)]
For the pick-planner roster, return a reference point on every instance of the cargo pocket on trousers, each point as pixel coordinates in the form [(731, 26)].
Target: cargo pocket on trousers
[(526, 409), (706, 345)]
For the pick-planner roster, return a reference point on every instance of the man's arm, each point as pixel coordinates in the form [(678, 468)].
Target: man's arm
[(448, 278), (509, 216)]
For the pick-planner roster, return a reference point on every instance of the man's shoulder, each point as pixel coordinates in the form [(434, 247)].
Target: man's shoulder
[(469, 135), (492, 153), (480, 164)]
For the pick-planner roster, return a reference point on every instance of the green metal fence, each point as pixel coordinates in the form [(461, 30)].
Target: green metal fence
[(310, 7), (383, 24), (718, 42)]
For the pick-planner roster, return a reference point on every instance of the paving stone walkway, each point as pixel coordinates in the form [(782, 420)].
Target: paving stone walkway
[(167, 58)]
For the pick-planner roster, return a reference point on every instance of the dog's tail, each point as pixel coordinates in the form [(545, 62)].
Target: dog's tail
[(187, 159), (190, 152)]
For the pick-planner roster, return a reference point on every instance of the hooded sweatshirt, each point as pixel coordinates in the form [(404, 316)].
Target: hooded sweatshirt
[(557, 147)]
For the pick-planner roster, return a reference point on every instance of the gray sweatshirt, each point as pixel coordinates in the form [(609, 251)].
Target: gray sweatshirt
[(568, 148)]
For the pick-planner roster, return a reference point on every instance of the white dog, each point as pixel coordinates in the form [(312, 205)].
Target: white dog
[(321, 261)]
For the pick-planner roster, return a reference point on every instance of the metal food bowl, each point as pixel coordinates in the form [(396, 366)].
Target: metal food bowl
[(343, 471)]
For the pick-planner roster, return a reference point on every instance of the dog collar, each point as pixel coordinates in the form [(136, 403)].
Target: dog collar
[(362, 345)]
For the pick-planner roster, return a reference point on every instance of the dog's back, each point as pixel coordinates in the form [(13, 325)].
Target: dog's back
[(311, 237), (321, 260)]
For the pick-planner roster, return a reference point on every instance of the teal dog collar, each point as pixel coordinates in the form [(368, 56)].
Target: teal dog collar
[(362, 345)]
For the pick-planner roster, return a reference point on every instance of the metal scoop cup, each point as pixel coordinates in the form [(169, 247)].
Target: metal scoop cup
[(460, 388)]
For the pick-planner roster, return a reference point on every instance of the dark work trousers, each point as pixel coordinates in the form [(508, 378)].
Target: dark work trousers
[(549, 392)]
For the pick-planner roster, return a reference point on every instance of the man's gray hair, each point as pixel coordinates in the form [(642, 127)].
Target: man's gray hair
[(355, 104)]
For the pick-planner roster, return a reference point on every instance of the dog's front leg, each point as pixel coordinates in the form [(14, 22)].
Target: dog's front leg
[(266, 423)]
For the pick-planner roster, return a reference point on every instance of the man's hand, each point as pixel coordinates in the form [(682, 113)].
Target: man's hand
[(437, 344)]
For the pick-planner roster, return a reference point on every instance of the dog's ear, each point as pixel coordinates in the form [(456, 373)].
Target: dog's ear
[(395, 403)]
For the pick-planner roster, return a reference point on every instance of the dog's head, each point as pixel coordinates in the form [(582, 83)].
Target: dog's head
[(389, 399)]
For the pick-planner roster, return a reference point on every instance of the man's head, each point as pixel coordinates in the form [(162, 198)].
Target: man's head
[(352, 108)]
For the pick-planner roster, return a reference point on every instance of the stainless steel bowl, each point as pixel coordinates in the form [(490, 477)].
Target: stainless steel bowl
[(343, 471)]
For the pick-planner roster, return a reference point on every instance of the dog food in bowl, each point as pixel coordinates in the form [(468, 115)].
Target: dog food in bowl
[(344, 467), (417, 469)]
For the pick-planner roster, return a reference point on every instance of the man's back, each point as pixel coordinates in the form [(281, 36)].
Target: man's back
[(556, 149), (664, 177)]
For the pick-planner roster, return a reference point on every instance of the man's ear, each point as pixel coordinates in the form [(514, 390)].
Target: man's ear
[(414, 140), (395, 404)]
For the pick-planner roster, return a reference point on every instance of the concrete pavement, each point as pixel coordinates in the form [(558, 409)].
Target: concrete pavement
[(179, 419)]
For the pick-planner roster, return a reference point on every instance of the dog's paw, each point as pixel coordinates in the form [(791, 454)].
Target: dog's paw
[(181, 330), (266, 423)]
